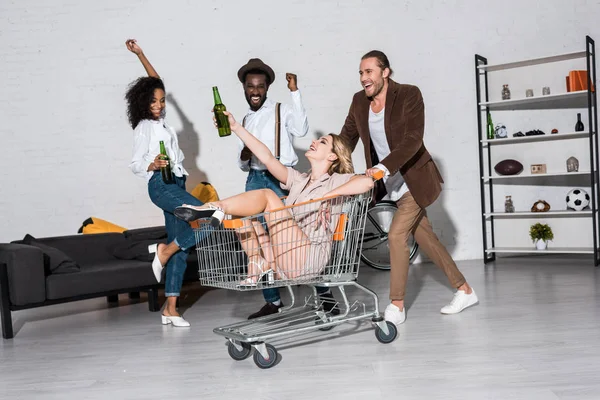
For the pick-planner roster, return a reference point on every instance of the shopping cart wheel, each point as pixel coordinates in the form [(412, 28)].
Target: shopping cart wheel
[(239, 355), (389, 338), (260, 361), (319, 321)]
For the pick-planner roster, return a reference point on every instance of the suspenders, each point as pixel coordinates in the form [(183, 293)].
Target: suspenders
[(277, 129)]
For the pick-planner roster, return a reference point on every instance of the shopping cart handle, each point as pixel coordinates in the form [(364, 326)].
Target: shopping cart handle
[(378, 175)]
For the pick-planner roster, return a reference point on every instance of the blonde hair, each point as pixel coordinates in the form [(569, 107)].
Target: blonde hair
[(341, 148)]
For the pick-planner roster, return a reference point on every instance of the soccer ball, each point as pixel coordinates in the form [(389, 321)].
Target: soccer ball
[(578, 199)]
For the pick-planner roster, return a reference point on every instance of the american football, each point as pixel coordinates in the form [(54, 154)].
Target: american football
[(508, 167)]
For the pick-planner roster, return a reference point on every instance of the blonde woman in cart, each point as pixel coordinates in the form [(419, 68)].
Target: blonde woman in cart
[(297, 245)]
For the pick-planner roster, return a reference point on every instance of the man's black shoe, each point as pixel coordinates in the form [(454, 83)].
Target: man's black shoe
[(329, 303), (267, 309)]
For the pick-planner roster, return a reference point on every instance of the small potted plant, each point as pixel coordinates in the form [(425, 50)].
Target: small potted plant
[(541, 234)]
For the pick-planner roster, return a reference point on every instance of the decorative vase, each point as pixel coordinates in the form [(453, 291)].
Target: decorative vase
[(508, 205), (541, 244), (505, 92)]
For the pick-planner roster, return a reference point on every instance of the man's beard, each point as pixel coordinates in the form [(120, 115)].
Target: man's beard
[(252, 106), (376, 89)]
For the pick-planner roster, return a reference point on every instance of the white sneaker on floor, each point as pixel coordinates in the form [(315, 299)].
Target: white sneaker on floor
[(394, 315), (460, 301)]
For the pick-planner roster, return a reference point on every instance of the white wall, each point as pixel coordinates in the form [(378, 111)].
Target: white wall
[(65, 69)]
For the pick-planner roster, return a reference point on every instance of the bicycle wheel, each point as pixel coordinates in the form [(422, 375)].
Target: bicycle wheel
[(375, 248)]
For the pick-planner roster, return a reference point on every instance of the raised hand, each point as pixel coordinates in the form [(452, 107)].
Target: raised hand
[(133, 47), (292, 80)]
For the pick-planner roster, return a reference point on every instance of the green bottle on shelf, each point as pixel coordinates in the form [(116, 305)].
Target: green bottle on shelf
[(490, 127), (222, 121), (165, 172)]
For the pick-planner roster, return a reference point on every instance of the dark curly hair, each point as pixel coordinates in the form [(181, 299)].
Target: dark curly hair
[(139, 97)]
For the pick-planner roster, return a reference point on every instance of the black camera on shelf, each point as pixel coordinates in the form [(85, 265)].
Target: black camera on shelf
[(534, 132)]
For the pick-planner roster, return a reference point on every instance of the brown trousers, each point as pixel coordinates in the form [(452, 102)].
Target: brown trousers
[(411, 218)]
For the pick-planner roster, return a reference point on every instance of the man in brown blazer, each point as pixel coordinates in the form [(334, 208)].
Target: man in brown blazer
[(389, 119)]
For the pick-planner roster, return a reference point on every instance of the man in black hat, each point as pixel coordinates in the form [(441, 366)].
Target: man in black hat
[(261, 120)]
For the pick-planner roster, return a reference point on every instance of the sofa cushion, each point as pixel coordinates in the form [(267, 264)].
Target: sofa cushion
[(55, 261), (85, 249), (101, 277), (151, 233)]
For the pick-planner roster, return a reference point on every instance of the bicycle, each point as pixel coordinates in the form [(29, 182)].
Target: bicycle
[(375, 248)]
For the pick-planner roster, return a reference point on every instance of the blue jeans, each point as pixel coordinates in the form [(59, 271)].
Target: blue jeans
[(167, 197), (264, 180)]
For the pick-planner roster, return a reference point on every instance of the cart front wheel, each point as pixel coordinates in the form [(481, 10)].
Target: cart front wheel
[(239, 355), (389, 338), (261, 362)]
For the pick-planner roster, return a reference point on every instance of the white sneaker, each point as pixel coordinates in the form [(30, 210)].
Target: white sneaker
[(394, 315), (460, 301)]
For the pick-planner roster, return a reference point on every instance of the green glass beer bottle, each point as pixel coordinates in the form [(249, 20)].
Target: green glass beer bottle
[(222, 121), (165, 172), (490, 127)]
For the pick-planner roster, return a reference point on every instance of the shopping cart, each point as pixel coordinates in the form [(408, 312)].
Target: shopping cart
[(313, 243)]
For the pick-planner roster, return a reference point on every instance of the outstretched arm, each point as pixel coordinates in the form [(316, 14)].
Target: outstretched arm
[(137, 50), (262, 152), (356, 185)]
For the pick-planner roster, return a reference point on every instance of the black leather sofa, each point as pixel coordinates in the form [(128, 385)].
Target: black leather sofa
[(53, 270)]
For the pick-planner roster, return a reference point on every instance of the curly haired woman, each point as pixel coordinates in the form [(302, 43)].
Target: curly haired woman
[(145, 111)]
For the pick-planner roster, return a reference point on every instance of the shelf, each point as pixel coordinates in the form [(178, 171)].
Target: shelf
[(548, 102), (520, 214), (550, 249), (487, 178), (536, 138), (533, 61)]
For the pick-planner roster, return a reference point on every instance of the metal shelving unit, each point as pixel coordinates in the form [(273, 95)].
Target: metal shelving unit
[(585, 99)]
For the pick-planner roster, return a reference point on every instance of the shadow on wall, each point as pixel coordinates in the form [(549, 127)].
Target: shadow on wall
[(303, 163), (439, 217), (189, 142), (446, 230)]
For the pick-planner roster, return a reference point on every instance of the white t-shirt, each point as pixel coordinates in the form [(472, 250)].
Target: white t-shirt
[(394, 184), (146, 137)]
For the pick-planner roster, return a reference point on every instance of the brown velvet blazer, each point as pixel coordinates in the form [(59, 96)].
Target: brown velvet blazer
[(404, 122)]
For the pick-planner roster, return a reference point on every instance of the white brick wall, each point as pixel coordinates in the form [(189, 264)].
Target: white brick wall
[(65, 68)]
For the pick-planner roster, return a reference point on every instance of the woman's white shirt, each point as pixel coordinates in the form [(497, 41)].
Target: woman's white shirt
[(146, 137)]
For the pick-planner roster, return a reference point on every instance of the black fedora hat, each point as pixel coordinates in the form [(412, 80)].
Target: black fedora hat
[(256, 64)]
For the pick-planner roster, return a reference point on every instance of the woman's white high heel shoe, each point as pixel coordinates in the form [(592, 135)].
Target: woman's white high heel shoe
[(175, 321), (252, 281), (192, 213), (156, 265)]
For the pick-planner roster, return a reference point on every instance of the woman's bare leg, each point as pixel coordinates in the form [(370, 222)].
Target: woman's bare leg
[(250, 242), (265, 243), (289, 243)]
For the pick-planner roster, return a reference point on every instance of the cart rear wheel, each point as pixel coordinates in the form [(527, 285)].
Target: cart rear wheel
[(319, 321), (261, 362), (389, 338), (238, 355)]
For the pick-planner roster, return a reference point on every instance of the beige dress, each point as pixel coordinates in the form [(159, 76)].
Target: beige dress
[(306, 216)]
